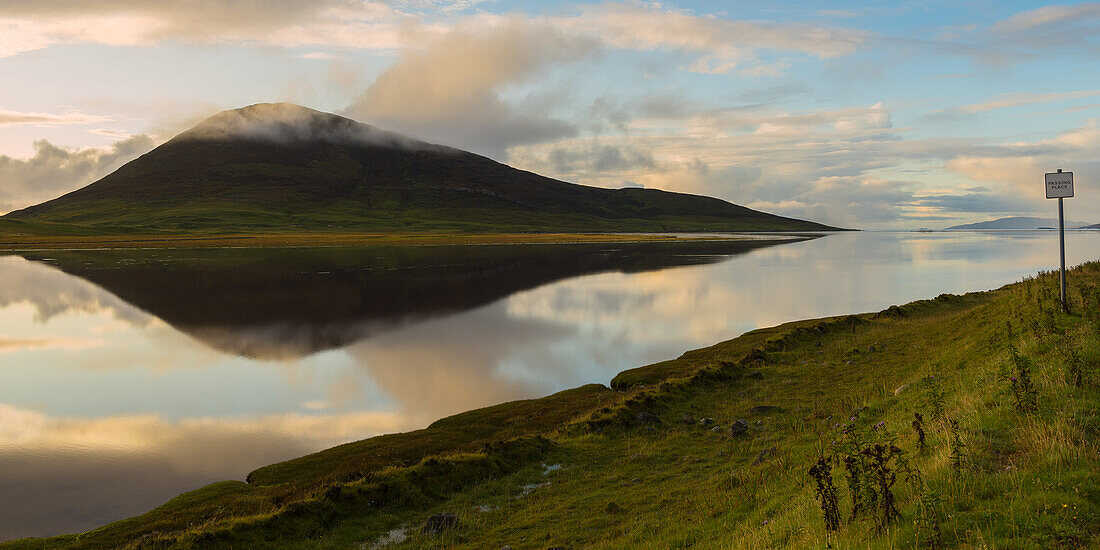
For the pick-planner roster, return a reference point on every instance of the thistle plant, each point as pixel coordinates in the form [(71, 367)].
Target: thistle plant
[(918, 426), (822, 473), (927, 522), (1072, 360), (881, 456), (958, 455), (935, 398), (1023, 390)]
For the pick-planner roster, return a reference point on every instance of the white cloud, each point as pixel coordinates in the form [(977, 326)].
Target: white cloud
[(1010, 100), (451, 90), (1062, 31), (8, 345), (1047, 16), (55, 170), (848, 166), (721, 45), (27, 26), (8, 118), (1019, 166), (716, 44)]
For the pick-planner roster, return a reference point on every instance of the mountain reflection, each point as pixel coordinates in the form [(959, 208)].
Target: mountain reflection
[(289, 303)]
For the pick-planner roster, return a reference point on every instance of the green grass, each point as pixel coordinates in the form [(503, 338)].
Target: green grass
[(1025, 479)]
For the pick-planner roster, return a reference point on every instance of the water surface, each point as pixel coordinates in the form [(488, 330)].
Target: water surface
[(130, 376)]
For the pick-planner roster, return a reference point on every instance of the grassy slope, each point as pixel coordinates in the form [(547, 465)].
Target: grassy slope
[(1027, 480), (350, 216)]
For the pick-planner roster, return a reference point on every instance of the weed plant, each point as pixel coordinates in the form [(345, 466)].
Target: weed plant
[(1023, 390), (957, 447), (918, 427), (822, 474)]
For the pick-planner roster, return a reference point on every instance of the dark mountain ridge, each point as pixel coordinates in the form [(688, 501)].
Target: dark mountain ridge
[(284, 167), (1020, 222)]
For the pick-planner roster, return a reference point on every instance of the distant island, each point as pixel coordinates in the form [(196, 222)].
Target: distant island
[(1023, 223), (285, 168)]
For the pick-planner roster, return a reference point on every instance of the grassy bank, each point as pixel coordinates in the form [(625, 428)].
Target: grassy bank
[(963, 421)]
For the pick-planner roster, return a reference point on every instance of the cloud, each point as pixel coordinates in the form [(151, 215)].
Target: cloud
[(1047, 17), (1057, 30), (47, 119), (55, 170), (715, 44), (983, 202), (718, 45), (8, 345), (27, 26), (452, 90), (1018, 167), (848, 166), (1007, 101), (593, 158), (285, 122)]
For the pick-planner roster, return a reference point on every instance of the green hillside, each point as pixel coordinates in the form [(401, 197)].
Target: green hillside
[(281, 167), (964, 422)]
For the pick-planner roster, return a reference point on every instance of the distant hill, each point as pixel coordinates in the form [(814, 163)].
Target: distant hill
[(1020, 223), (282, 167), (1093, 226)]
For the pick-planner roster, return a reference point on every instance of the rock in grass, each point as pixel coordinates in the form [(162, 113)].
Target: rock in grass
[(687, 419), (739, 427), (716, 429), (648, 418), (439, 523), (707, 421), (765, 455), (765, 409)]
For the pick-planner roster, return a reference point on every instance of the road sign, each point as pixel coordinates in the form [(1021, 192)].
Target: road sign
[(1059, 185)]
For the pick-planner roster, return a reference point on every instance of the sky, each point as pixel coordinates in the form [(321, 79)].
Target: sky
[(875, 115)]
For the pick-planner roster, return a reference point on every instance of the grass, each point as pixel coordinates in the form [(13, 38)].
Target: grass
[(580, 470)]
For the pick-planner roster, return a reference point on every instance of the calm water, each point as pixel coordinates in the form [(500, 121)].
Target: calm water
[(131, 376)]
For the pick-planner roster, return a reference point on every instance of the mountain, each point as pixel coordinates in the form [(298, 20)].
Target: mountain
[(1093, 226), (1020, 223), (283, 167)]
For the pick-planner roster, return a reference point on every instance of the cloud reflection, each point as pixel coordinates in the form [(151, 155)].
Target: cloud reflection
[(66, 474), (446, 366), (53, 293)]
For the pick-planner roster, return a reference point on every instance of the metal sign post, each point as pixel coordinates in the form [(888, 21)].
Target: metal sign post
[(1059, 186)]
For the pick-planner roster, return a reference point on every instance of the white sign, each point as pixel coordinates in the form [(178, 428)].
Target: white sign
[(1059, 185)]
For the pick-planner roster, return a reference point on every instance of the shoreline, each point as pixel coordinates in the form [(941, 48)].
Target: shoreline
[(275, 240)]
